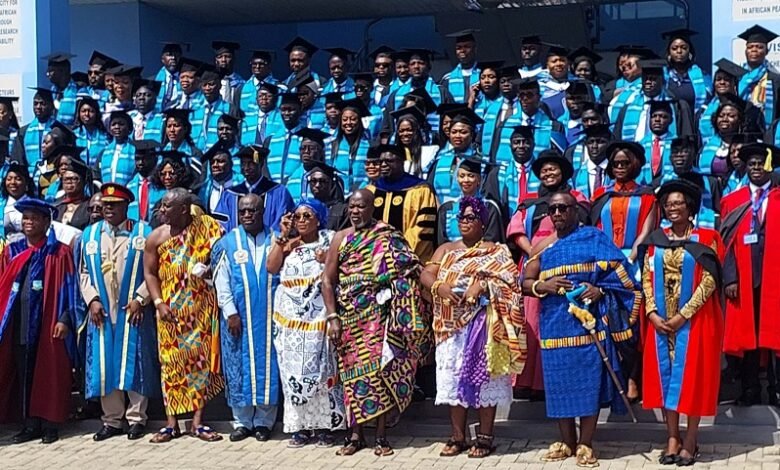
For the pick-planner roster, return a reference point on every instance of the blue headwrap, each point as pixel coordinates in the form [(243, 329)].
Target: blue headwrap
[(477, 205), (317, 207)]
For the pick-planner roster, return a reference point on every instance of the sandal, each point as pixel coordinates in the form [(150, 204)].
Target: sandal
[(556, 452), (298, 440), (670, 459), (165, 435), (206, 434), (325, 439), (482, 447), (585, 457), (453, 448), (351, 447), (382, 447)]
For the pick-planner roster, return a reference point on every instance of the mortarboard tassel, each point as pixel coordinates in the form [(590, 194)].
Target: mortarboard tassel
[(768, 161)]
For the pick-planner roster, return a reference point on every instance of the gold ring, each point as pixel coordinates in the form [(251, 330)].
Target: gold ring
[(471, 300), (561, 291)]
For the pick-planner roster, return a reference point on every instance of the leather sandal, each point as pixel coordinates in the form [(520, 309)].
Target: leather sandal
[(382, 448), (556, 452), (351, 446), (482, 447), (453, 448), (165, 435), (585, 457)]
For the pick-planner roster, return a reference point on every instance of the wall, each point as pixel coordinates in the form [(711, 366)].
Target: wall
[(120, 40)]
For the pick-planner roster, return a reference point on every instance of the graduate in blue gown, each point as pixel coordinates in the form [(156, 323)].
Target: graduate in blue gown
[(582, 63), (117, 161), (32, 134), (219, 162), (554, 81), (260, 65), (205, 117), (465, 75), (147, 123), (89, 129), (590, 165), (299, 52), (312, 151), (224, 60), (190, 96), (63, 88), (486, 100), (442, 173), (168, 75), (657, 142), (142, 185), (263, 119), (96, 77), (686, 80), (177, 135), (276, 199), (283, 145), (349, 149), (338, 66), (382, 59), (530, 57)]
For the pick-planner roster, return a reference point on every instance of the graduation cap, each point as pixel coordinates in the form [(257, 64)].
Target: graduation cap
[(730, 68), (171, 156), (579, 88), (685, 141), (533, 40), (401, 56), (758, 33), (334, 97), (476, 165), (269, 87), (126, 70), (396, 150), (340, 52), (413, 111), (114, 192), (635, 148), (257, 153), (600, 108), (216, 149), (733, 100), (121, 114), (557, 50), (525, 131), (467, 116), (222, 47), (190, 65), (310, 166), (682, 33), (58, 58), (209, 73), (639, 51), (180, 114), (450, 109), (79, 77), (145, 146), (598, 130), (528, 83), (174, 47), (61, 130), (356, 105), (423, 99), (508, 71), (68, 150), (652, 66), (685, 186), (289, 98), (303, 81), (494, 65), (553, 156), (367, 77), (768, 152), (381, 50), (77, 165), (466, 35), (584, 53), (153, 85), (423, 54), (36, 205), (231, 118), (299, 43), (263, 55), (44, 93), (661, 105), (315, 135), (103, 60)]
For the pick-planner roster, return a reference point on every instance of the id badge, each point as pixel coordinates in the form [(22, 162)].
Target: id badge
[(750, 239)]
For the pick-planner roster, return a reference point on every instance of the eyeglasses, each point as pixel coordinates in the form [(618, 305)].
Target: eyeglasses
[(621, 163), (361, 88), (467, 218), (387, 161), (675, 205), (249, 211), (382, 65), (167, 174), (558, 209), (303, 216), (318, 181)]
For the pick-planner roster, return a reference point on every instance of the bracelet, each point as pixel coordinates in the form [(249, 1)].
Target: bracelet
[(282, 240), (140, 300), (533, 289), (435, 286), (332, 316), (157, 302)]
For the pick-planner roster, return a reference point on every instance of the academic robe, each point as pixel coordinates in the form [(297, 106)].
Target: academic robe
[(249, 361), (410, 206), (204, 122), (276, 202), (117, 163), (258, 125), (665, 152), (284, 155), (622, 215), (170, 91), (145, 198), (548, 133), (459, 84), (748, 264), (147, 126), (120, 356), (53, 295), (93, 142), (32, 136), (65, 103), (248, 100), (761, 87), (350, 160), (231, 89), (633, 121)]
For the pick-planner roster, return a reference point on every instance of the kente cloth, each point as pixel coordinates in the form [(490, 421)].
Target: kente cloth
[(249, 360), (483, 343), (119, 356), (759, 86), (189, 345), (382, 318), (53, 293), (621, 210), (313, 396), (681, 371), (410, 206), (746, 329), (576, 379)]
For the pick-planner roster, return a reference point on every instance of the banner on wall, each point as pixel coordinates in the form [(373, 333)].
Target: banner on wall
[(10, 29), (737, 16), (11, 85)]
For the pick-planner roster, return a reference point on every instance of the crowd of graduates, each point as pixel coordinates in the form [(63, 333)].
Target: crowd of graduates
[(511, 135)]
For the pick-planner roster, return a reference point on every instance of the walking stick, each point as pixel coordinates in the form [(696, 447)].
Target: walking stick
[(580, 310)]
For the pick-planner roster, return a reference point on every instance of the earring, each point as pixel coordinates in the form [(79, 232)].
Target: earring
[(690, 218), (690, 56)]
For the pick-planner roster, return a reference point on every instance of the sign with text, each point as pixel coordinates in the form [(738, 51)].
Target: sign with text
[(744, 14), (10, 29), (756, 10)]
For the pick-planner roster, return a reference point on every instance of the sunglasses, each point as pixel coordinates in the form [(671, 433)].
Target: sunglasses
[(621, 163), (468, 218), (249, 211), (674, 205), (303, 216), (361, 88), (558, 209)]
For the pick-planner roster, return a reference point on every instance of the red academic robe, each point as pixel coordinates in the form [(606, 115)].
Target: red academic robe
[(52, 379), (690, 385), (740, 322)]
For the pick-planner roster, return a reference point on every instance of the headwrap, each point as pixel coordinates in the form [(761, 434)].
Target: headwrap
[(318, 208), (477, 205)]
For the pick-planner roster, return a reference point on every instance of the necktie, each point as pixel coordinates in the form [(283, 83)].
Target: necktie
[(522, 188), (656, 156), (759, 213), (139, 130), (168, 90), (205, 130), (143, 199), (261, 129), (599, 180)]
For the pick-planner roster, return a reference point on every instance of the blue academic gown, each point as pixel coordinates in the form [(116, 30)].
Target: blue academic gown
[(248, 102), (249, 361), (204, 121), (284, 155), (93, 142), (458, 85), (351, 166), (170, 91), (277, 202), (120, 356), (258, 125), (117, 167), (646, 176), (153, 197), (547, 134), (65, 103), (152, 124), (34, 132)]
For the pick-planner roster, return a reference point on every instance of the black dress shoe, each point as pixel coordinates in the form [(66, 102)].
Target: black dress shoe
[(27, 435), (50, 436), (136, 431), (749, 398), (262, 433), (239, 434), (106, 432)]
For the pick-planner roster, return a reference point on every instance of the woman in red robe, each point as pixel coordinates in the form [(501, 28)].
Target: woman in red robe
[(684, 328)]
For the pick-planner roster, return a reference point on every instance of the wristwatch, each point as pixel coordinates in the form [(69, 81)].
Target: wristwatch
[(141, 300), (157, 302)]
